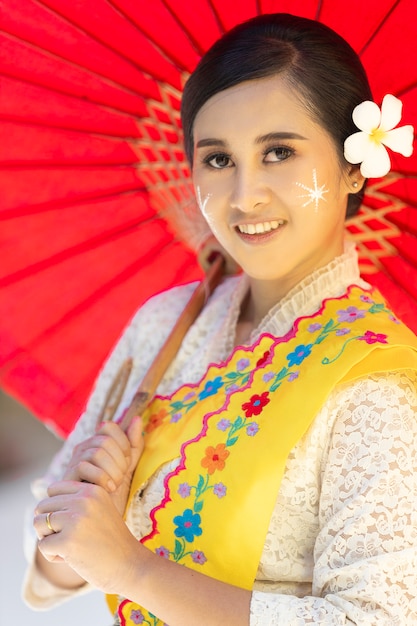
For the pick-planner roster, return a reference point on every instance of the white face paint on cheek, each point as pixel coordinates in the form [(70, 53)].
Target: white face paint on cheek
[(314, 194), (202, 203)]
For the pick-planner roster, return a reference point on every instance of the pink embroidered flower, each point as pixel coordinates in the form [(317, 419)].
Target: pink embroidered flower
[(256, 404), (371, 337)]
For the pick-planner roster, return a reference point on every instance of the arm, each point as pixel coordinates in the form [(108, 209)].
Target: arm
[(365, 553), (39, 590)]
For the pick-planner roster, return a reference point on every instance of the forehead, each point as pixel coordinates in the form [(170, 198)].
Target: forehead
[(262, 105)]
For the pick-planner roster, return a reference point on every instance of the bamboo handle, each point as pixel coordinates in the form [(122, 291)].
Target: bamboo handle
[(160, 364)]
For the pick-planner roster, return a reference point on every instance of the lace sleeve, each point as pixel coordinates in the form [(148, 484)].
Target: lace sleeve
[(365, 553), (148, 327)]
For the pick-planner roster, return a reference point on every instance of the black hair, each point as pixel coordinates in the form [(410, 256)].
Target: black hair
[(315, 60)]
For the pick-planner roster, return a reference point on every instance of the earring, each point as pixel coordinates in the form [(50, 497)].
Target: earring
[(355, 184)]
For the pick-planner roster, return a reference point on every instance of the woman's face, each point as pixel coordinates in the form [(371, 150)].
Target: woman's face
[(269, 181)]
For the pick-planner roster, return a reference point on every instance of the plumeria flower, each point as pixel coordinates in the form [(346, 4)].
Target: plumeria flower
[(377, 130)]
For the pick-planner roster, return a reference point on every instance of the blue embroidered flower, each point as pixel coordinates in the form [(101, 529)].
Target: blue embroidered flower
[(219, 490), (252, 429), (299, 354), (242, 364), (137, 616), (188, 525), (351, 314), (198, 557), (211, 388), (184, 490)]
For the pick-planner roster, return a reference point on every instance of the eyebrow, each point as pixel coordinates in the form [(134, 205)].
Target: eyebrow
[(276, 136)]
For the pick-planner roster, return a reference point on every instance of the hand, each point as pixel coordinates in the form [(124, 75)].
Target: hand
[(108, 459), (89, 534)]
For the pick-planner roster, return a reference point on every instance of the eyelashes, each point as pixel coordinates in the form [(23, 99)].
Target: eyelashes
[(223, 160)]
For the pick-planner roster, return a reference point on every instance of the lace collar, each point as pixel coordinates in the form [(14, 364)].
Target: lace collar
[(305, 298)]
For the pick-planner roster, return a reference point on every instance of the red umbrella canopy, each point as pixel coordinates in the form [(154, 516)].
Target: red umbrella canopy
[(97, 208)]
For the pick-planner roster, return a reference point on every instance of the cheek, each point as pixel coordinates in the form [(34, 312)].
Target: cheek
[(206, 204)]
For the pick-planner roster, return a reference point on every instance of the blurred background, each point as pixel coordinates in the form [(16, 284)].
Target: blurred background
[(26, 448)]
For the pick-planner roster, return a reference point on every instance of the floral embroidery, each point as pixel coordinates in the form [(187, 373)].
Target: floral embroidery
[(219, 490), (224, 424), (163, 552), (156, 420), (184, 490), (211, 387), (256, 404), (137, 616), (300, 353), (252, 429), (242, 364), (198, 557), (263, 359), (215, 458), (351, 314), (371, 337), (188, 525)]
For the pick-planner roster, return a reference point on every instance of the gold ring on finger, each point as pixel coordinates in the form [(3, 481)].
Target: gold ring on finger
[(48, 522)]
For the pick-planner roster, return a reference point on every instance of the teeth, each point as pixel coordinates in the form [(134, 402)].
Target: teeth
[(262, 227)]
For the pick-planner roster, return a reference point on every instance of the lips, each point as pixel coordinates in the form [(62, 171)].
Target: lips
[(260, 228)]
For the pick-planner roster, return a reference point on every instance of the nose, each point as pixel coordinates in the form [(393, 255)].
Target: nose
[(250, 190)]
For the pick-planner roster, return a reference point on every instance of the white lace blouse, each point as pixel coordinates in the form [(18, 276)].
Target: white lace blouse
[(342, 542)]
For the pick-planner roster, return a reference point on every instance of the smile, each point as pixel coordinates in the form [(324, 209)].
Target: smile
[(260, 228)]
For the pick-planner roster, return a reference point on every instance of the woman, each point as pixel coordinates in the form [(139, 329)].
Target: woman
[(279, 460)]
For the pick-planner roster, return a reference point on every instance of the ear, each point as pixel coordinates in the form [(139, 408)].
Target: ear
[(354, 178)]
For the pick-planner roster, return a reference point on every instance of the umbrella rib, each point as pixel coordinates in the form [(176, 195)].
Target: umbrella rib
[(318, 10), (90, 100), (80, 248), (66, 203), (378, 28), (91, 133), (107, 45), (189, 33), (127, 273), (85, 69), (157, 45), (216, 16)]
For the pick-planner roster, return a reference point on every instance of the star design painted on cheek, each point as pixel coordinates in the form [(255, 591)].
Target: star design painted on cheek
[(315, 193)]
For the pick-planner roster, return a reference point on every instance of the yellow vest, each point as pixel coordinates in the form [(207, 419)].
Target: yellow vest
[(233, 432)]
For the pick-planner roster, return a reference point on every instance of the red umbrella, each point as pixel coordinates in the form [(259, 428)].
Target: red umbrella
[(95, 185)]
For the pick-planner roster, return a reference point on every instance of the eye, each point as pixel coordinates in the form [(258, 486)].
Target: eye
[(218, 161), (280, 153)]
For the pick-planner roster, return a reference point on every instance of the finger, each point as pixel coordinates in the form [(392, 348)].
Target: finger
[(45, 524), (113, 430), (135, 436), (89, 473)]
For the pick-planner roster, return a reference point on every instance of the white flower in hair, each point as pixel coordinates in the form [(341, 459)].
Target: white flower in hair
[(377, 130)]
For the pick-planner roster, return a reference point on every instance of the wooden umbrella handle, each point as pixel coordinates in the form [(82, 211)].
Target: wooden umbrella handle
[(160, 364)]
